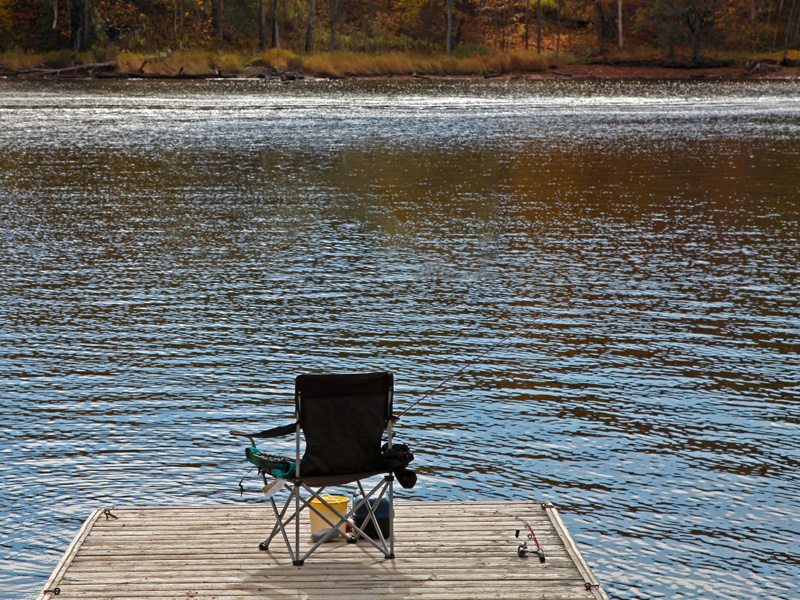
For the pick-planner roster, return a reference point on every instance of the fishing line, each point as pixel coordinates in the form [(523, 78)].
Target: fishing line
[(478, 359)]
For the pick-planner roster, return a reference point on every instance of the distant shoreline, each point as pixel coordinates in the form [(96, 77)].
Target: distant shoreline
[(756, 70), (612, 72)]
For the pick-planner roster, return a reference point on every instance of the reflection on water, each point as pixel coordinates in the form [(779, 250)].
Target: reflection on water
[(174, 253)]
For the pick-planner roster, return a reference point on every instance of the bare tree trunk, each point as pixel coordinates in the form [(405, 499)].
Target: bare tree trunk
[(80, 22), (777, 19), (216, 12), (55, 14), (600, 24), (480, 19), (180, 20), (449, 45), (69, 20), (459, 31), (310, 24), (276, 42), (262, 24), (87, 23), (694, 42), (788, 37), (334, 10), (558, 39), (527, 20), (498, 38), (538, 26), (619, 22), (558, 34)]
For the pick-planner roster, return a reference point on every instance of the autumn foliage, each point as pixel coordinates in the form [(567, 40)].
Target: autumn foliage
[(680, 30)]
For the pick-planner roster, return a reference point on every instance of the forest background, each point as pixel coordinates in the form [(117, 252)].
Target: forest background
[(456, 36)]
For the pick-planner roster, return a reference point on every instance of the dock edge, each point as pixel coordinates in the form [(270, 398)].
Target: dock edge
[(591, 582), (51, 589)]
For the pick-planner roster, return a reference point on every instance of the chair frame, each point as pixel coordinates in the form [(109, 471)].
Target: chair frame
[(383, 489), (314, 486)]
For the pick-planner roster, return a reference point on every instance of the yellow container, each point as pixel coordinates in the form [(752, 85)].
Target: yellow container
[(338, 502)]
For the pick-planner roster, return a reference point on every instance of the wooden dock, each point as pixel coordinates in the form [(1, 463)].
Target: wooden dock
[(444, 551)]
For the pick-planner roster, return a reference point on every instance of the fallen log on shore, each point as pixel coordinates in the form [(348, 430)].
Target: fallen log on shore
[(79, 70), (110, 70)]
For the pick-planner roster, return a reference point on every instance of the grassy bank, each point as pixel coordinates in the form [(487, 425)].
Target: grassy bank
[(350, 64), (342, 64), (274, 63)]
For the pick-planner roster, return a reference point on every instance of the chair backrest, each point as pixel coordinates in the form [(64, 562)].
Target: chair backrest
[(343, 417)]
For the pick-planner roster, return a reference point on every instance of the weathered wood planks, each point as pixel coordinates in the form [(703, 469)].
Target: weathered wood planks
[(445, 551)]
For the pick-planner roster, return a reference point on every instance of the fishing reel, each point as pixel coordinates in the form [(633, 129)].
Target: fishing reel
[(523, 550)]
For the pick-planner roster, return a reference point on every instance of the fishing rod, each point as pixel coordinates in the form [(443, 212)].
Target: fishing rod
[(478, 359), (523, 549)]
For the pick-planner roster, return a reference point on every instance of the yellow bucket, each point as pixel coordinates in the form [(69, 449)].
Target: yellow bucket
[(338, 502)]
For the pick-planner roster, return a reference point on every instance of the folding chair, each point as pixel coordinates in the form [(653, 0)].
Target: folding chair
[(342, 419)]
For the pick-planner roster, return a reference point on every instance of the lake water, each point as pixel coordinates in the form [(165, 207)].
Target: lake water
[(173, 254)]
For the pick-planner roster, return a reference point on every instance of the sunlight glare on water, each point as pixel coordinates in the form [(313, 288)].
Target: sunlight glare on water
[(173, 254)]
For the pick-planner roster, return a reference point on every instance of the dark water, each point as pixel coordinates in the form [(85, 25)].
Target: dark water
[(174, 253)]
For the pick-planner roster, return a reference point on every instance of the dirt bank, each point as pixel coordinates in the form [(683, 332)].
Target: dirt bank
[(758, 70)]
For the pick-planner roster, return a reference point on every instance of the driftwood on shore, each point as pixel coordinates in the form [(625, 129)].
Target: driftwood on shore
[(110, 70), (79, 70)]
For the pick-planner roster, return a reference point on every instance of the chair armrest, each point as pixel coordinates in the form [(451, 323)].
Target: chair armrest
[(268, 433)]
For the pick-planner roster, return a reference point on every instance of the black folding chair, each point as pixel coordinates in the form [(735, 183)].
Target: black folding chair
[(342, 418)]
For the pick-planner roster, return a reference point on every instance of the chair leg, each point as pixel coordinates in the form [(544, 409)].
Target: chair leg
[(316, 494), (297, 562), (376, 494), (281, 523), (384, 488), (390, 479), (275, 528)]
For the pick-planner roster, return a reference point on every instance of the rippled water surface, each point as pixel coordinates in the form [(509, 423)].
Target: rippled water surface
[(173, 254)]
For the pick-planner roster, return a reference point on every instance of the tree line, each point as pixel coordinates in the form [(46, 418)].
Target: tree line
[(306, 26)]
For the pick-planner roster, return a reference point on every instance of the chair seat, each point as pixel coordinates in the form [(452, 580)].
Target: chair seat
[(343, 479)]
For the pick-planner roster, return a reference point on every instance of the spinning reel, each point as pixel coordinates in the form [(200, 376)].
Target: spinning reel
[(523, 550)]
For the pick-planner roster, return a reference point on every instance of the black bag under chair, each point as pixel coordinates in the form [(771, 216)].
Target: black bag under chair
[(343, 419)]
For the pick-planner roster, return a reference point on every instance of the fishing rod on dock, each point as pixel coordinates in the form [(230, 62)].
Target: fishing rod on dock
[(523, 550), (479, 358)]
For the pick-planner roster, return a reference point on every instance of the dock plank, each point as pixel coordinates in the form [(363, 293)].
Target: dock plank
[(444, 551)]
